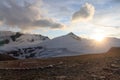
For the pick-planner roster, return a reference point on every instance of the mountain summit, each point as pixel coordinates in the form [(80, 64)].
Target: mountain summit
[(73, 36), (71, 33)]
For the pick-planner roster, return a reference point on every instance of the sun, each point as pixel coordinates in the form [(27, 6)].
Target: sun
[(98, 37)]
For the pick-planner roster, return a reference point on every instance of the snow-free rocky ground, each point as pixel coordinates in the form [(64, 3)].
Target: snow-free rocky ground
[(104, 66)]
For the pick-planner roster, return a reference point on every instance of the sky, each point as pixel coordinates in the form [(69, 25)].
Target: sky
[(59, 17)]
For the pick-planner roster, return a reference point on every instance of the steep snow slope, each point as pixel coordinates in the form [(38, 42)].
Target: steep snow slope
[(31, 38), (17, 38), (5, 36)]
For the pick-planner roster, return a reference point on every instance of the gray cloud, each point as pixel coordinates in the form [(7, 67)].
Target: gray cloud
[(115, 0), (47, 23), (85, 13), (26, 15)]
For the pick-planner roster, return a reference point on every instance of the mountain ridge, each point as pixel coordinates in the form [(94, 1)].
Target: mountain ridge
[(66, 45)]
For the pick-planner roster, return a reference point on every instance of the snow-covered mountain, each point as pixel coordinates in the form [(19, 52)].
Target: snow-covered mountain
[(6, 37), (67, 45), (5, 34), (81, 45), (17, 38)]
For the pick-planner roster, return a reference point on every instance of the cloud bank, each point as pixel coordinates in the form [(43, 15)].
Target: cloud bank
[(27, 15), (85, 13)]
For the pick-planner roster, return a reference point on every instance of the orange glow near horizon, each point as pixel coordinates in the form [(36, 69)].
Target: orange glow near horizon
[(98, 37)]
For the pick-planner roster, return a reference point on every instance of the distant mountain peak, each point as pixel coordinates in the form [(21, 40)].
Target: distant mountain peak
[(71, 34)]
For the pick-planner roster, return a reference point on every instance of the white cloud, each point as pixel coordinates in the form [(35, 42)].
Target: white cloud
[(29, 15), (85, 13)]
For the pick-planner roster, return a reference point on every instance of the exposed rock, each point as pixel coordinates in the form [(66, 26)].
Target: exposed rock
[(114, 66), (49, 66), (94, 76), (60, 62), (102, 77)]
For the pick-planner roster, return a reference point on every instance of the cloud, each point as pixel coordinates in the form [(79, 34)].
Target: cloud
[(85, 13), (25, 15), (115, 0), (47, 23)]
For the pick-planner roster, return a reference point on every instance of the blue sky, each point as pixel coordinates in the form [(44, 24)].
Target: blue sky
[(56, 17)]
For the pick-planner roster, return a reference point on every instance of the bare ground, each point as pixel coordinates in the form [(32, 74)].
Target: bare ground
[(104, 66)]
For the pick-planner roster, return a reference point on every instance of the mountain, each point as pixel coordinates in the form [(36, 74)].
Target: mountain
[(16, 43), (34, 46), (31, 38), (5, 37), (76, 44), (16, 38)]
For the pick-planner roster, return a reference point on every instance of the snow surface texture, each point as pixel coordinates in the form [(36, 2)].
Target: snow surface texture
[(38, 46), (20, 38)]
